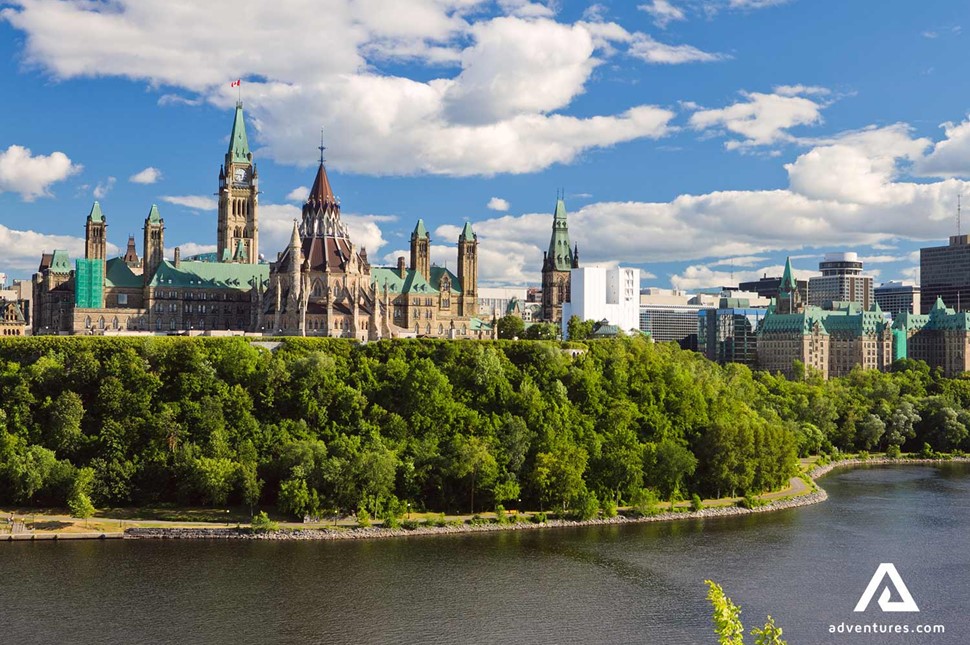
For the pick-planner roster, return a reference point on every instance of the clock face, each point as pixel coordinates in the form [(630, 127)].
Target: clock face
[(239, 175)]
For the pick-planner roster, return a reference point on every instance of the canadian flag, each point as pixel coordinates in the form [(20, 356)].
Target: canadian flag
[(236, 83)]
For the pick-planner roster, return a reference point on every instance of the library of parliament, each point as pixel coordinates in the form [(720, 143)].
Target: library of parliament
[(321, 283)]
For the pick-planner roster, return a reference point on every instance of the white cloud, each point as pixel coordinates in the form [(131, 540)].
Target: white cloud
[(104, 187), (647, 49), (298, 194), (699, 276), (951, 156), (497, 204), (663, 12), (195, 202), (20, 251), (741, 261), (31, 175), (762, 119), (496, 115), (871, 206), (149, 175), (188, 249)]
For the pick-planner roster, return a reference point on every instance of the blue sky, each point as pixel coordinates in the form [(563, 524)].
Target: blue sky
[(697, 139)]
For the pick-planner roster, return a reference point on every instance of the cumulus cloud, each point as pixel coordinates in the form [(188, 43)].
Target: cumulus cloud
[(31, 175), (647, 49), (497, 114), (871, 205), (298, 194), (104, 187), (188, 249), (762, 119), (20, 251), (497, 204), (699, 276), (149, 175), (951, 156), (195, 202), (663, 12)]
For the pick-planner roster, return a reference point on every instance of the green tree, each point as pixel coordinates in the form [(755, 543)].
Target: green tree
[(540, 331), (79, 502), (510, 327), (474, 462), (64, 421), (294, 497), (770, 634), (579, 329), (559, 474)]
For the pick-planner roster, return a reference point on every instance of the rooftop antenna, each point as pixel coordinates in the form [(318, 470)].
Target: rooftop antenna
[(322, 147), (958, 215)]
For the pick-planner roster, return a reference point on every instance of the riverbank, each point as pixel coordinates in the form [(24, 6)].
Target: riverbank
[(804, 496)]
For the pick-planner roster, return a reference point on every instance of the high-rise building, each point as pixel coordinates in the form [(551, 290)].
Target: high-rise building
[(841, 281), (945, 273), (598, 293), (557, 262), (767, 287), (898, 297), (729, 334)]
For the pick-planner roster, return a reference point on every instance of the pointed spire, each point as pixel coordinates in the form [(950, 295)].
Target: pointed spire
[(96, 215), (420, 230), (321, 191), (788, 284), (153, 216), (295, 236), (238, 142), (560, 251), (467, 233)]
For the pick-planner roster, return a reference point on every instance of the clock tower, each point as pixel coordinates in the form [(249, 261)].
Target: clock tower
[(238, 235)]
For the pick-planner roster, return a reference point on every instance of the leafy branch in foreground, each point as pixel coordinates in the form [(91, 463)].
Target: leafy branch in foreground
[(727, 621)]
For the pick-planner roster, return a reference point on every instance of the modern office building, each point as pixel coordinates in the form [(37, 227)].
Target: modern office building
[(598, 293), (841, 281), (898, 297), (768, 287), (493, 302), (729, 333), (945, 273)]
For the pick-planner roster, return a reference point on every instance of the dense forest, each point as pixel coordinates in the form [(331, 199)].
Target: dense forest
[(324, 425)]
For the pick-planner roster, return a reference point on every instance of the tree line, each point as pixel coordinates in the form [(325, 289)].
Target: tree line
[(324, 425)]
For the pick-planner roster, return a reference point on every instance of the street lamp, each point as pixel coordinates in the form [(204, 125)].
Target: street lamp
[(409, 510)]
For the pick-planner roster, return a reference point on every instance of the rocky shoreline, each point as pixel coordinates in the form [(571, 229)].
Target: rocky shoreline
[(807, 499)]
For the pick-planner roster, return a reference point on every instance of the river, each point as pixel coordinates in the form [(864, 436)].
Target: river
[(640, 583)]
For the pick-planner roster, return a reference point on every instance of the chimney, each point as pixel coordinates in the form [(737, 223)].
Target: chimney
[(402, 267), (178, 257)]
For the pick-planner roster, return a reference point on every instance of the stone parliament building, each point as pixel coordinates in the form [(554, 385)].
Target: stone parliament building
[(321, 284)]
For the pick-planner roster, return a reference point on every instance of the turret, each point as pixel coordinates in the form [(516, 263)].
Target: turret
[(468, 271), (421, 250), (95, 235), (154, 244)]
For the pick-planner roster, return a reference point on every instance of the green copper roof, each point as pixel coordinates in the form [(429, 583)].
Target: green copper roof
[(60, 262), (238, 142), (96, 215), (241, 251), (788, 284), (210, 275), (153, 216), (420, 230), (467, 233), (119, 274), (413, 282), (560, 251)]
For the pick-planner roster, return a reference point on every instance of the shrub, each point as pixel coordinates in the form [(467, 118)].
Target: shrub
[(863, 455), (539, 518), (409, 525), (435, 520), (363, 518), (478, 520), (695, 503), (609, 507), (391, 521), (645, 502), (500, 515), (893, 452), (750, 501), (926, 452), (586, 506), (261, 523)]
